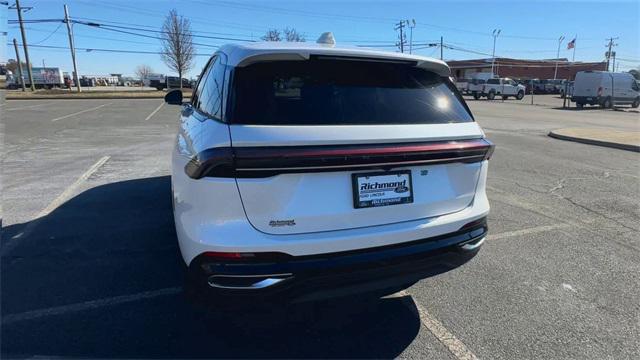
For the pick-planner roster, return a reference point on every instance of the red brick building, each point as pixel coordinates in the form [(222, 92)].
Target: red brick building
[(523, 69)]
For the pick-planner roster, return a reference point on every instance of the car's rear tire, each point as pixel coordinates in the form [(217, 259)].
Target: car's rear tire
[(636, 102), (520, 95), (491, 95), (505, 97), (476, 95), (606, 104), (579, 105)]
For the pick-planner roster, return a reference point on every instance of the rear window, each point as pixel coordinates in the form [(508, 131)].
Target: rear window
[(343, 92), (493, 81)]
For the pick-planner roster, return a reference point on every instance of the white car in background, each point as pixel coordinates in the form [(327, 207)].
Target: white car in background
[(504, 87), (304, 171)]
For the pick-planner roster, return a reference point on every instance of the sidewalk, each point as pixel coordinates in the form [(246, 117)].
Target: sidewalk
[(625, 140)]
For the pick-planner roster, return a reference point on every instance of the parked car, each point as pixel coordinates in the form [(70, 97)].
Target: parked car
[(160, 82), (462, 85), (605, 89), (569, 89), (289, 181), (504, 87), (554, 86), (475, 87), (529, 84)]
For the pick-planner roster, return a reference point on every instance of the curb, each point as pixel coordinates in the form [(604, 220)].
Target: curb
[(609, 144)]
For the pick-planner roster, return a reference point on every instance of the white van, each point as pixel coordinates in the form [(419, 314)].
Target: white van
[(605, 89)]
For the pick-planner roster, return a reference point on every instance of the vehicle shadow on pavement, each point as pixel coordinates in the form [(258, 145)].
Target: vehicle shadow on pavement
[(119, 239)]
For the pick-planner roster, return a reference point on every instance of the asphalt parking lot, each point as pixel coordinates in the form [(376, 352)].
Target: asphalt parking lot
[(90, 264)]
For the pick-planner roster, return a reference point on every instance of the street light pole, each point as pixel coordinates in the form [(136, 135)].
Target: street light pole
[(495, 34), (555, 74)]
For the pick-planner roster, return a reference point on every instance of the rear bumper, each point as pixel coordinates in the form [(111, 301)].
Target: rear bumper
[(380, 270)]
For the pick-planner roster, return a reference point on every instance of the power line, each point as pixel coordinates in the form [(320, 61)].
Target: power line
[(48, 36), (105, 50), (155, 14), (107, 26)]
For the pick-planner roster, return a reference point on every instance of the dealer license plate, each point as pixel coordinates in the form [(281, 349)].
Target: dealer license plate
[(382, 189)]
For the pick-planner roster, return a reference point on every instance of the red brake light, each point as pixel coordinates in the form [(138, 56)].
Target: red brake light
[(226, 256), (482, 222), (244, 256)]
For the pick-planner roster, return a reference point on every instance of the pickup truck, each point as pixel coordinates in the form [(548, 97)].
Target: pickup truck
[(462, 85), (504, 87), (474, 87)]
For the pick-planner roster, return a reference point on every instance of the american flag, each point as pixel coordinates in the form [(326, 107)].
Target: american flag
[(571, 44)]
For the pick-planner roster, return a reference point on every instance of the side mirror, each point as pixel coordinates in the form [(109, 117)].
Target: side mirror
[(173, 97)]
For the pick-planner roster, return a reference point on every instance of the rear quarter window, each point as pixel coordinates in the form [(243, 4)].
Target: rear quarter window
[(343, 92)]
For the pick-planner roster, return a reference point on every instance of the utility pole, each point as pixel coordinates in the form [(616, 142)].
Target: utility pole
[(15, 46), (400, 26), (72, 47), (575, 40), (495, 34), (610, 45), (613, 67), (411, 25), (555, 74), (24, 41), (441, 47)]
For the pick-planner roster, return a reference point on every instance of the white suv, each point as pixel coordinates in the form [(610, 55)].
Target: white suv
[(304, 171)]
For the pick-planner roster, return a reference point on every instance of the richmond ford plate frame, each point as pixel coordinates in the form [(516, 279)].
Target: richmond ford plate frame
[(382, 188)]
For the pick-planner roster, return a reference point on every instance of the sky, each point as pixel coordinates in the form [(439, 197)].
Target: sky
[(529, 29)]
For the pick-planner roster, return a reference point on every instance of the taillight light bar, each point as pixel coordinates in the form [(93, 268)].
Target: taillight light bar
[(268, 161)]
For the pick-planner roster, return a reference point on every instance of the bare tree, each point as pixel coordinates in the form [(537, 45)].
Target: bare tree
[(291, 34), (177, 45), (142, 71), (288, 34), (12, 65), (272, 35)]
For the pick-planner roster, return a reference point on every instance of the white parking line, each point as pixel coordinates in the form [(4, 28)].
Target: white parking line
[(435, 327), (71, 188), (11, 243), (26, 107), (88, 305), (80, 112), (154, 111), (533, 230)]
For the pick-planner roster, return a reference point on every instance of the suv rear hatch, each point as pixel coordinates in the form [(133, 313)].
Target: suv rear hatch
[(332, 144)]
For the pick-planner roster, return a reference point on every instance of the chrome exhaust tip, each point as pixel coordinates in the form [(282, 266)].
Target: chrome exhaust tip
[(246, 282), (473, 244)]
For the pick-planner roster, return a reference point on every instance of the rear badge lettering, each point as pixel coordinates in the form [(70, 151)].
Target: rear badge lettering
[(276, 223)]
